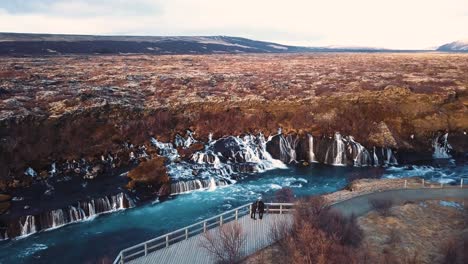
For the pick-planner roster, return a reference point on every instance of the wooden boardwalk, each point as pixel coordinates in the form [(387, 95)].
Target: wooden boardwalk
[(189, 251)]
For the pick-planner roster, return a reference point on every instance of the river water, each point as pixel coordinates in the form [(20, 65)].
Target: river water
[(99, 240)]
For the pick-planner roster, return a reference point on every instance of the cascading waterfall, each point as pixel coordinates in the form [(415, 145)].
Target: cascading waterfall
[(375, 159), (287, 146), (358, 153), (28, 226), (59, 217), (342, 151), (336, 152), (249, 149), (192, 185), (212, 186), (441, 147), (312, 157), (220, 159), (184, 142), (165, 149)]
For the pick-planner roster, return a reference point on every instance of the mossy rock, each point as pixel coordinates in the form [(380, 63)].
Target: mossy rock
[(149, 172), (4, 206), (4, 197)]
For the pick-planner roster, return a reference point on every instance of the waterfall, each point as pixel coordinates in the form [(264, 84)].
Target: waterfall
[(192, 185), (388, 157), (28, 226), (336, 152), (312, 157), (53, 169), (184, 142), (83, 210), (441, 147), (375, 159), (165, 149), (212, 186), (358, 153), (228, 155), (287, 146), (30, 172), (57, 218)]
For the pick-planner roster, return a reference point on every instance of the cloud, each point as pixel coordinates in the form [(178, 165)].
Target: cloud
[(392, 24), (82, 8)]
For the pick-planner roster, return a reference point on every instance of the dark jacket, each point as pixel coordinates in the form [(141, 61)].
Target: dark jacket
[(261, 206), (254, 206)]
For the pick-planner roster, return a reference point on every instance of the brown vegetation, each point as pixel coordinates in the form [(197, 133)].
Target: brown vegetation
[(65, 108), (382, 206), (317, 235), (225, 243), (4, 203), (151, 172), (416, 232)]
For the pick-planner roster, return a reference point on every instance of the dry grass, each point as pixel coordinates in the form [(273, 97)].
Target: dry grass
[(414, 233)]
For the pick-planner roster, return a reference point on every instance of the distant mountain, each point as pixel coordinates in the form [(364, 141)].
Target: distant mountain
[(461, 45), (21, 44), (45, 44)]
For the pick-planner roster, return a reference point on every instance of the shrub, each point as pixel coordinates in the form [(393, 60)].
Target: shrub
[(318, 235), (393, 237), (225, 243), (412, 259), (382, 206), (450, 252)]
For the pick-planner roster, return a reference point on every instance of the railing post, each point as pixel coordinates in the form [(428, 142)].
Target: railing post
[(204, 227), (461, 183), (167, 240), (423, 183), (237, 214), (406, 184), (220, 220), (121, 258), (186, 233), (281, 209), (146, 249)]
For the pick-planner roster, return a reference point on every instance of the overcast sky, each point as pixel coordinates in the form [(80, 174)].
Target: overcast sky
[(401, 24)]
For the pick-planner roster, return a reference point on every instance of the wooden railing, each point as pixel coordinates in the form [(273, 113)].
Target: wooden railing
[(143, 249)]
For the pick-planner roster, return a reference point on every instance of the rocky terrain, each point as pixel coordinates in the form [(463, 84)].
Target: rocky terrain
[(80, 119), (67, 108)]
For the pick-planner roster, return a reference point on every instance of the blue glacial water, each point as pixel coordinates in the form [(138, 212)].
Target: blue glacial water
[(99, 240)]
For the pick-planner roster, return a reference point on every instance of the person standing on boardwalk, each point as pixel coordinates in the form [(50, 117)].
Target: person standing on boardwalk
[(253, 210), (261, 208)]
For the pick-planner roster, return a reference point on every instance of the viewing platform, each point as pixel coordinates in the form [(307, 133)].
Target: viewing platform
[(184, 245)]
